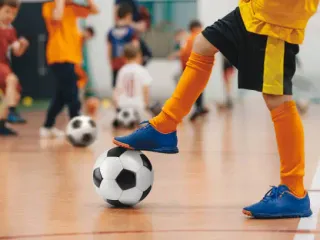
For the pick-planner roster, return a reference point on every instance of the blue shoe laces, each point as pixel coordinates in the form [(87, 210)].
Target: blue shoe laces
[(273, 194), (142, 127)]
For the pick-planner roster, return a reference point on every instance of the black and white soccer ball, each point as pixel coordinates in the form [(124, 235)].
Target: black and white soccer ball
[(81, 131), (128, 117), (123, 177)]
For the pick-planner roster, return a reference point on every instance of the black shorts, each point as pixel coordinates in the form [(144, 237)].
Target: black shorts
[(265, 64)]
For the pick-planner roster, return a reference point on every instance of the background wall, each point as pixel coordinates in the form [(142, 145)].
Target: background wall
[(163, 78), (99, 65), (36, 78)]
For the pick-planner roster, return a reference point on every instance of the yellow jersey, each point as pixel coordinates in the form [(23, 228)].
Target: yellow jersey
[(283, 19), (64, 38)]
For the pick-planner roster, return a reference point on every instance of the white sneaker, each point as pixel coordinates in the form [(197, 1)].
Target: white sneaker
[(51, 133)]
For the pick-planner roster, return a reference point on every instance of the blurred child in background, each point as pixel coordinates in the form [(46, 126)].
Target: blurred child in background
[(9, 82), (141, 22), (81, 69), (120, 35), (195, 28), (87, 94), (180, 38), (63, 54), (133, 83)]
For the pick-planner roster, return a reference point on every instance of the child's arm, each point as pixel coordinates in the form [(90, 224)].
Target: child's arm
[(117, 91), (186, 50), (140, 26), (146, 91), (58, 11), (115, 98), (93, 7), (20, 46), (84, 12), (174, 55), (109, 49), (146, 81)]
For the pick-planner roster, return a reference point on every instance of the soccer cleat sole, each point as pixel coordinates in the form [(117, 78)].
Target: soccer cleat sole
[(123, 145), (17, 122), (265, 216), (157, 150)]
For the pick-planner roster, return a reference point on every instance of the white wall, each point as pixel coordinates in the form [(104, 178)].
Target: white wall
[(99, 65)]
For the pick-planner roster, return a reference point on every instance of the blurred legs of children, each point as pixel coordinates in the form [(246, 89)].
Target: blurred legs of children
[(228, 71), (63, 53), (9, 82), (133, 83)]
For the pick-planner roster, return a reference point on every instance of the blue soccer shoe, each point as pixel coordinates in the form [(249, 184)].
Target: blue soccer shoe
[(147, 138), (279, 202)]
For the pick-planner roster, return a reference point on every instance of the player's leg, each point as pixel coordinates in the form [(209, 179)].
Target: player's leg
[(289, 199), (4, 130), (114, 78), (160, 134), (56, 105), (14, 116), (71, 91), (9, 84)]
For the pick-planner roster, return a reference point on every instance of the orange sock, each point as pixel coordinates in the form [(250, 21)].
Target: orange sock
[(192, 83), (290, 139)]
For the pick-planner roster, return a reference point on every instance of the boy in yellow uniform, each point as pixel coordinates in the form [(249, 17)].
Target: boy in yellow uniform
[(260, 38), (63, 53)]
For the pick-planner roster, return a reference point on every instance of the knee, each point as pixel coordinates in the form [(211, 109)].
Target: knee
[(12, 80), (274, 101), (203, 47)]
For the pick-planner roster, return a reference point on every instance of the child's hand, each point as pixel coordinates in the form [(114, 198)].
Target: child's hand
[(58, 10), (20, 46), (16, 46), (24, 43)]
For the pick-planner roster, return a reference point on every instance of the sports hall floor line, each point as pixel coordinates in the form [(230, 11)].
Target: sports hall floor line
[(311, 222), (297, 231)]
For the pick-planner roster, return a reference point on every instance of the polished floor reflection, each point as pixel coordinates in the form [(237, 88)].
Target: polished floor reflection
[(227, 160)]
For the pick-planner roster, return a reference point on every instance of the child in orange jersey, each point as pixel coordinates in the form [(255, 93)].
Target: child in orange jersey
[(9, 82), (63, 53), (121, 34), (261, 39), (88, 96)]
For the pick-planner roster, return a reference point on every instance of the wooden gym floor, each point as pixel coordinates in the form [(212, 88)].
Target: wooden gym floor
[(227, 161)]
